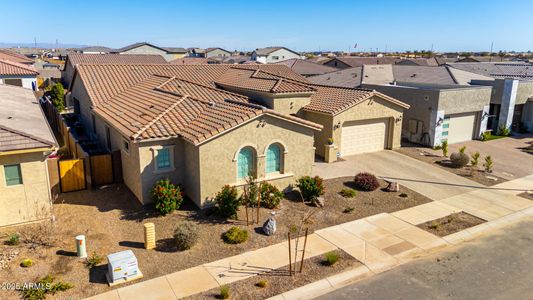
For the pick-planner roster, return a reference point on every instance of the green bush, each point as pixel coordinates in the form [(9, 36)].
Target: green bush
[(366, 182), (186, 235), (488, 164), (485, 136), (504, 131), (348, 193), (261, 283), (93, 260), (462, 149), (235, 235), (167, 196), (224, 292), (270, 196), (14, 239), (228, 202), (57, 96), (330, 258), (26, 263), (459, 159), (310, 187), (445, 148), (348, 209), (43, 287), (475, 159)]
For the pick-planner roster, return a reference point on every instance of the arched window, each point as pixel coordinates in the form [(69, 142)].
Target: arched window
[(273, 159), (245, 163)]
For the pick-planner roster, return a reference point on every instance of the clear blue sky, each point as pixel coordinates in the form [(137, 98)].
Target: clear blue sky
[(301, 25)]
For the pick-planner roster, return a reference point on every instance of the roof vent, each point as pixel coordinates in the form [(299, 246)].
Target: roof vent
[(211, 103), (414, 75)]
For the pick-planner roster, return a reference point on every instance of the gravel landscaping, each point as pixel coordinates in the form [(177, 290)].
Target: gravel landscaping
[(113, 221), (451, 224), (435, 158), (278, 281)]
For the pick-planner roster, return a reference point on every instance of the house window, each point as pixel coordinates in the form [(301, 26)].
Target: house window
[(275, 57), (108, 137), (12, 174), (273, 159), (245, 163), (126, 145), (163, 159)]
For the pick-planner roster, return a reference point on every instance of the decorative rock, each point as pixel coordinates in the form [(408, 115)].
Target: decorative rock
[(269, 227), (393, 187), (320, 201)]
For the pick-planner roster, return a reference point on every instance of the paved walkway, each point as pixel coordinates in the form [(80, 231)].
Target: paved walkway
[(428, 180), (380, 242)]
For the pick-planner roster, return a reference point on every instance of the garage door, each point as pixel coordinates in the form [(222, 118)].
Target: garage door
[(458, 128), (15, 82), (363, 137)]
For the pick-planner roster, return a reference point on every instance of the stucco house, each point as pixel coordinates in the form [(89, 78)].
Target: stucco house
[(94, 50), (17, 74), (25, 142), (169, 53), (204, 126), (217, 52), (15, 57), (273, 54), (305, 67)]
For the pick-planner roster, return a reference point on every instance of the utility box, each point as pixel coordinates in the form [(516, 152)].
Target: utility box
[(122, 266)]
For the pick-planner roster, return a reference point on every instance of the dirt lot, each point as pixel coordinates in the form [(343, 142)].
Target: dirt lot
[(435, 157), (451, 224), (113, 221), (278, 281)]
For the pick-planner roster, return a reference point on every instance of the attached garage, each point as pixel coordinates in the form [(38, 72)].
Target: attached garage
[(363, 137), (15, 82), (459, 127)]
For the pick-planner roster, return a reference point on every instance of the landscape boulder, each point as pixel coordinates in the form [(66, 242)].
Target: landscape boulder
[(393, 187), (320, 201), (269, 227)]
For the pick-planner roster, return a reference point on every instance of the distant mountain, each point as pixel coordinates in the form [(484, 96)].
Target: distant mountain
[(40, 45)]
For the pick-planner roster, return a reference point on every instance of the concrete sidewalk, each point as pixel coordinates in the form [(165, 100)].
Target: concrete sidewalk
[(380, 242)]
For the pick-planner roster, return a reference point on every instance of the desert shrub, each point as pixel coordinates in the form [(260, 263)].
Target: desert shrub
[(488, 164), (348, 209), (459, 159), (167, 196), (235, 235), (366, 182), (270, 196), (462, 149), (475, 159), (93, 260), (330, 259), (261, 283), (26, 263), (485, 136), (348, 193), (14, 239), (310, 187), (504, 130), (227, 202), (186, 235), (224, 292), (444, 147), (438, 147), (43, 287)]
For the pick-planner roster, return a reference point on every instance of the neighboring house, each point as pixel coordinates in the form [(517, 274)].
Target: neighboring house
[(49, 73), (428, 62), (476, 59), (15, 57), (205, 126), (12, 73), (273, 54), (511, 103), (306, 68), (169, 53), (25, 142), (319, 59), (193, 61), (217, 52), (103, 59), (95, 50), (348, 78), (355, 61), (195, 52)]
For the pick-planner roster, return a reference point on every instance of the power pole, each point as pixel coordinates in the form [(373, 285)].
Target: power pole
[(35, 41), (490, 54)]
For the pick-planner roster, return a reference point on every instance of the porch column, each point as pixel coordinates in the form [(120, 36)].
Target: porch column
[(510, 87)]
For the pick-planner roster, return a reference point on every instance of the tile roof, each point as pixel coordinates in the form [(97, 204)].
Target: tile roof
[(354, 61), (175, 49), (119, 59), (11, 139), (320, 59), (9, 68), (334, 100), (135, 45), (521, 71), (306, 68), (191, 61), (215, 48), (259, 80), (420, 74), (349, 78), (14, 56), (101, 49)]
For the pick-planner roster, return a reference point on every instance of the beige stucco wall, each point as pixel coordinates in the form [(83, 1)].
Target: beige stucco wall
[(29, 201), (374, 108), (218, 165), (146, 49), (217, 53)]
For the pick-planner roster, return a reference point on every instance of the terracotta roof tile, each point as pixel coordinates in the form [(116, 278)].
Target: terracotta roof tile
[(15, 57), (12, 68), (306, 67), (11, 139), (117, 59)]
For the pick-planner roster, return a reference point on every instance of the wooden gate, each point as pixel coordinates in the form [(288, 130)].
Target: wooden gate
[(102, 169), (72, 175)]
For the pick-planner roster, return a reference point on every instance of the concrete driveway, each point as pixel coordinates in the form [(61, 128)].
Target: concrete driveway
[(509, 161), (428, 180)]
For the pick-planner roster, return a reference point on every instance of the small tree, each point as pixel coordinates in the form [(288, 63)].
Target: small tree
[(475, 159), (167, 196), (488, 164), (310, 187), (445, 148), (228, 202), (57, 96)]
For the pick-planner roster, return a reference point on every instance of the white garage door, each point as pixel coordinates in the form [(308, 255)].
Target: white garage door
[(458, 128), (363, 137)]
